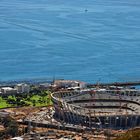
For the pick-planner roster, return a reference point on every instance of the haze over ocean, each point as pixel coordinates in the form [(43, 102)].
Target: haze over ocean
[(89, 40)]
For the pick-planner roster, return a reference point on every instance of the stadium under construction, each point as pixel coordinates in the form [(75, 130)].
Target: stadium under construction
[(98, 107)]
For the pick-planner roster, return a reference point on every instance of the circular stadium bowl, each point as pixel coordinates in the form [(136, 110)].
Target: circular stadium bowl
[(98, 108)]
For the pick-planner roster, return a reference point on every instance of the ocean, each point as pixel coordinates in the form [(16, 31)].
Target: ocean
[(87, 40)]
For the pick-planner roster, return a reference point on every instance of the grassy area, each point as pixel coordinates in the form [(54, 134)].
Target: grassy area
[(37, 100), (3, 103), (40, 99)]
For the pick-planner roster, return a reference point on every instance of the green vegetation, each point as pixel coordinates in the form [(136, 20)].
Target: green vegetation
[(11, 128), (3, 103), (35, 99)]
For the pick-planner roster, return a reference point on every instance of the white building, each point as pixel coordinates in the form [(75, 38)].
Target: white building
[(45, 85), (23, 88), (8, 90), (70, 83)]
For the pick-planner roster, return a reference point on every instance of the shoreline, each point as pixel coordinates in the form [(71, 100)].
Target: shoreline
[(36, 81)]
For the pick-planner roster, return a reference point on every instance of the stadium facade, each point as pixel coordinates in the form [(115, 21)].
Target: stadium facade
[(98, 108)]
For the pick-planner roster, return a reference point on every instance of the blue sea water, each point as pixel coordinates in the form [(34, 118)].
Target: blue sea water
[(89, 40)]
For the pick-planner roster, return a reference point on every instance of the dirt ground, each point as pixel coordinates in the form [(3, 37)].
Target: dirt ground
[(22, 112)]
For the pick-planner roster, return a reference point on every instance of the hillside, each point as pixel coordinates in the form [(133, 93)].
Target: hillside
[(130, 135)]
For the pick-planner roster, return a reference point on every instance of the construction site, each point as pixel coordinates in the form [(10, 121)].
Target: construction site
[(99, 108), (95, 113), (101, 113)]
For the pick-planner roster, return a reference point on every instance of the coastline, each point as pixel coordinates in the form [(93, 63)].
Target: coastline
[(36, 81)]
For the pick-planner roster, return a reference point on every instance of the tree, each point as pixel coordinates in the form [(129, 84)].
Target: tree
[(11, 126), (34, 102)]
